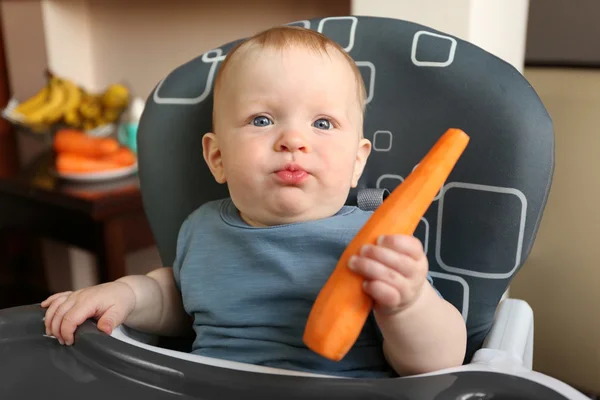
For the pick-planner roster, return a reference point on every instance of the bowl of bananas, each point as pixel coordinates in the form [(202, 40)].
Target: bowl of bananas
[(61, 103)]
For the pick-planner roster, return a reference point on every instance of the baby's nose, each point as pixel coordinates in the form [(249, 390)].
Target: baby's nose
[(292, 141)]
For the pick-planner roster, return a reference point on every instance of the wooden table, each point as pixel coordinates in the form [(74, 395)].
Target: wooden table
[(104, 218)]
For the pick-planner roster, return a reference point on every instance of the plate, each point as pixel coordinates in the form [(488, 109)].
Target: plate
[(97, 176)]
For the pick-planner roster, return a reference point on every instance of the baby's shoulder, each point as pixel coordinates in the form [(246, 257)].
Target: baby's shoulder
[(207, 209), (203, 216)]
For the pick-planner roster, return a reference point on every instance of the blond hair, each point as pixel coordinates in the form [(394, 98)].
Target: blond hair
[(282, 37)]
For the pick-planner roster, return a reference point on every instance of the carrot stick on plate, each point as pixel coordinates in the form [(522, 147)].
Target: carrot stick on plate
[(78, 142), (77, 163), (124, 157)]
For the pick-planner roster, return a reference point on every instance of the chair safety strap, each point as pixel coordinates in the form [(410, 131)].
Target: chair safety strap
[(369, 199)]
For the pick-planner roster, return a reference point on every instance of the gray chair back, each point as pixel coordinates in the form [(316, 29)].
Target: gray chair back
[(479, 230)]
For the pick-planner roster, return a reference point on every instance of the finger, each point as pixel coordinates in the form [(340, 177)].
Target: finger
[(400, 262), (112, 318), (405, 244), (50, 299), (51, 311), (58, 318), (375, 271), (385, 296), (72, 319)]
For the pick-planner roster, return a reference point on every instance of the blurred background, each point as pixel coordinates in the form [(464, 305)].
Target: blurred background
[(59, 232)]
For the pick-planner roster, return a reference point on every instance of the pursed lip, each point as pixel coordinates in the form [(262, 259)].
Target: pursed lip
[(291, 167), (291, 174)]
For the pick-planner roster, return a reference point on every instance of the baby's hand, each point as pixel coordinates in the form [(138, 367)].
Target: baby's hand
[(394, 270), (110, 303)]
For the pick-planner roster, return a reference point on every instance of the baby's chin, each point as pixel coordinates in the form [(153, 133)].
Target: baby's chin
[(280, 212)]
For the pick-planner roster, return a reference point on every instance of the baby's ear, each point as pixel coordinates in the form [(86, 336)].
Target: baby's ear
[(213, 156), (364, 149)]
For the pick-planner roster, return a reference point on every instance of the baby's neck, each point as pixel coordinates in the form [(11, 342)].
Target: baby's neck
[(261, 224), (250, 222)]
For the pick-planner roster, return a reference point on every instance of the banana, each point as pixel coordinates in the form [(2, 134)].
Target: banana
[(73, 96), (50, 111), (33, 102), (88, 125), (90, 107), (111, 114), (62, 100), (72, 118), (115, 96), (56, 113)]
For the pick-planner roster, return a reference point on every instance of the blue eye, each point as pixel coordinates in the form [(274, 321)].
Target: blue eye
[(323, 123), (261, 121)]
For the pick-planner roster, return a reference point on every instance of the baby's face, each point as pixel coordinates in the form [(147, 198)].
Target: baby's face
[(288, 138)]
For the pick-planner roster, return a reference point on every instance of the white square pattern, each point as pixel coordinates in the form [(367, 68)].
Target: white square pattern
[(425, 63), (518, 238)]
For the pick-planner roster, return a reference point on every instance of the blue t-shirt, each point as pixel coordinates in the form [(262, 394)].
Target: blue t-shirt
[(250, 289)]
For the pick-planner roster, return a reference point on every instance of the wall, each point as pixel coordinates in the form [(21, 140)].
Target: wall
[(560, 279), (184, 30), (450, 16), (496, 26), (500, 27), (140, 42), (561, 33), (26, 58)]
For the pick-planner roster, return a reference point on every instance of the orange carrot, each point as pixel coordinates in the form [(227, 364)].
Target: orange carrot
[(124, 157), (78, 142), (342, 307), (76, 163)]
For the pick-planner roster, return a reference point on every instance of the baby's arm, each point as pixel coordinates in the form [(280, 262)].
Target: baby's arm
[(159, 308), (422, 331), (150, 303), (427, 336)]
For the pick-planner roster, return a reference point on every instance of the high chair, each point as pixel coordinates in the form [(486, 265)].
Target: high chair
[(477, 233)]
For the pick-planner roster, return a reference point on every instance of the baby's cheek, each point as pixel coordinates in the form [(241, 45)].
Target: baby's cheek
[(344, 165), (339, 176), (244, 178), (240, 164)]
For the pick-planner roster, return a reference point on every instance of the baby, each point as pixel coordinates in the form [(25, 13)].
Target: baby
[(287, 140)]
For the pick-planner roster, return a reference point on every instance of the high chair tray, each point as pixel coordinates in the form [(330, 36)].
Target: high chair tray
[(100, 367)]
